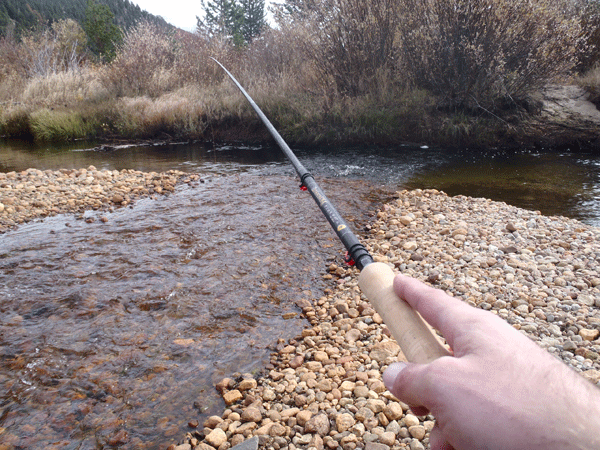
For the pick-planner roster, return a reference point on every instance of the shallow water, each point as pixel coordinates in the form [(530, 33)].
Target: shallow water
[(116, 332)]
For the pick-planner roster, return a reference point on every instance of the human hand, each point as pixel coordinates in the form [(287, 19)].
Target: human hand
[(499, 391)]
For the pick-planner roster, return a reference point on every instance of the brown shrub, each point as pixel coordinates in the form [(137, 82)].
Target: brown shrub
[(590, 50), (590, 81), (154, 61), (349, 41), (12, 59), (143, 63), (59, 48), (484, 53), (192, 59)]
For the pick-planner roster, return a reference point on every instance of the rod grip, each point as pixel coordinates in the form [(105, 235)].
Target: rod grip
[(414, 336)]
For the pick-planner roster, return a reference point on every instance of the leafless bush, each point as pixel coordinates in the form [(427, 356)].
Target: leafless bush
[(58, 49), (349, 41), (590, 50), (192, 58), (274, 53), (144, 64), (154, 61), (482, 53)]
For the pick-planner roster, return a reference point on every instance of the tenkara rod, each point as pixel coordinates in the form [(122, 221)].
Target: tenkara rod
[(416, 339), (356, 250)]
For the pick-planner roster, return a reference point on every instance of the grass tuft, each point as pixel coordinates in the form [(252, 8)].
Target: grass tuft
[(53, 125)]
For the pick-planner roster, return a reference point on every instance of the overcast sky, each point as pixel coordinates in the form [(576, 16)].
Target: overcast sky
[(181, 13)]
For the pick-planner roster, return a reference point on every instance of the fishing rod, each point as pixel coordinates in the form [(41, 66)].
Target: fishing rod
[(414, 336)]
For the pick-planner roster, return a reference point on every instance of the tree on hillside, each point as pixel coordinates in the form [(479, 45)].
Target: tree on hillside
[(103, 34), (237, 22), (298, 10), (20, 17)]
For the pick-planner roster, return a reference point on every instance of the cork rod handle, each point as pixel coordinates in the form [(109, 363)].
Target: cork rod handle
[(414, 336)]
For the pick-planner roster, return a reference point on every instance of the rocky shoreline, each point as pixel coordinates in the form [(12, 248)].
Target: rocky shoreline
[(324, 390)]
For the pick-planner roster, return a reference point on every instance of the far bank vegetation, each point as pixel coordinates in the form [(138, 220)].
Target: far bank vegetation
[(328, 71)]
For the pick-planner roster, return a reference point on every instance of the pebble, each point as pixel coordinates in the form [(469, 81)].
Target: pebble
[(324, 388)]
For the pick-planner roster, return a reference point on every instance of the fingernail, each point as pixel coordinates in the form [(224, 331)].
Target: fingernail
[(391, 373)]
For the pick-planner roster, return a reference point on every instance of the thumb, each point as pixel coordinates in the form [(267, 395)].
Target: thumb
[(437, 441), (408, 383)]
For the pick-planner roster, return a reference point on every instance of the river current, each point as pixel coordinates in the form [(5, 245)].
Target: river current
[(114, 334)]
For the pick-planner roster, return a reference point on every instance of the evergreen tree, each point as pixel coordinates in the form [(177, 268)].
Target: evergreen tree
[(222, 18), (103, 34), (237, 22), (254, 18), (20, 17)]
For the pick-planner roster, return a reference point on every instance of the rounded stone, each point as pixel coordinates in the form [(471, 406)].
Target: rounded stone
[(344, 422)]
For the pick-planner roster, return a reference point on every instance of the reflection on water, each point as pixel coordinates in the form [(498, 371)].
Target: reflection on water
[(115, 333), (553, 183), (157, 158)]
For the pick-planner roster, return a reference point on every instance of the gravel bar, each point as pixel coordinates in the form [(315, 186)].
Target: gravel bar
[(34, 194)]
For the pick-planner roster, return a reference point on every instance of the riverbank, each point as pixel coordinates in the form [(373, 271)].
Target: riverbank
[(324, 389), (557, 117), (34, 194)]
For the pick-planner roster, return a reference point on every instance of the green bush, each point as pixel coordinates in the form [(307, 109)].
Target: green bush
[(14, 122)]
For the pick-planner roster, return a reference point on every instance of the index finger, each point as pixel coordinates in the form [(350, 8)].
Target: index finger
[(448, 314)]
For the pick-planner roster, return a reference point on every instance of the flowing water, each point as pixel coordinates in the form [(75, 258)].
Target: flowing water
[(114, 334)]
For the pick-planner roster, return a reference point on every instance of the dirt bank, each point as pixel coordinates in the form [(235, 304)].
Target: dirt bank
[(566, 119)]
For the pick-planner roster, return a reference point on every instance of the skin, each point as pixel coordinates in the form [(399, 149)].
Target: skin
[(499, 390)]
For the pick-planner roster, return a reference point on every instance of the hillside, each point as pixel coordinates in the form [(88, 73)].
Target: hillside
[(17, 16)]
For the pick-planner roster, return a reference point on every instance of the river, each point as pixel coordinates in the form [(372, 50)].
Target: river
[(115, 333)]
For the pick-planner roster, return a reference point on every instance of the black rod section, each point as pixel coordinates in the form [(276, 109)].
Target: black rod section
[(356, 250)]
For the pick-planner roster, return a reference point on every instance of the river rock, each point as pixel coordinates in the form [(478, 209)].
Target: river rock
[(344, 422), (384, 350), (589, 335), (318, 424), (232, 397), (393, 411), (251, 414), (249, 444), (417, 431), (33, 194), (216, 438), (303, 417), (212, 422), (246, 384)]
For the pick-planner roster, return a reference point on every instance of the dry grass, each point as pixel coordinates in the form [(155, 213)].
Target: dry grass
[(590, 81), (177, 114), (314, 78), (67, 89)]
